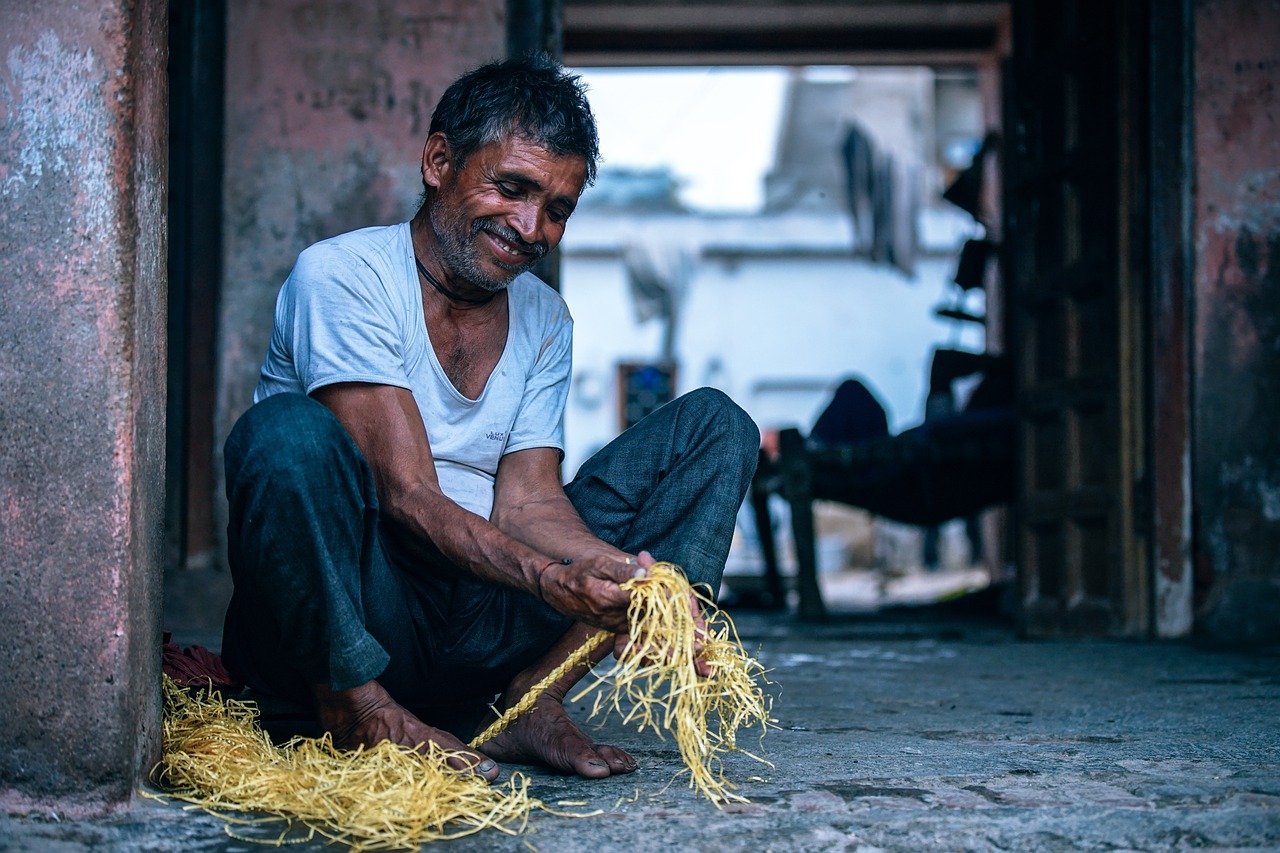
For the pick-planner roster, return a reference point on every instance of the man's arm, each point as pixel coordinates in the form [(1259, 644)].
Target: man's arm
[(530, 505), (385, 423)]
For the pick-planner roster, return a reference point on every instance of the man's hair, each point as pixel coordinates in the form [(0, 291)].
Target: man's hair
[(530, 96)]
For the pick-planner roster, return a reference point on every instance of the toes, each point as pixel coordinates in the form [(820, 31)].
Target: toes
[(618, 760), (486, 770), (549, 737), (601, 761), (592, 767)]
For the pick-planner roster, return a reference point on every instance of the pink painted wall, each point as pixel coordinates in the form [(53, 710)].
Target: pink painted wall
[(1237, 316), (328, 104), (82, 254)]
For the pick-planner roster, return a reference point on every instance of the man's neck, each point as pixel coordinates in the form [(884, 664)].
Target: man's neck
[(432, 271)]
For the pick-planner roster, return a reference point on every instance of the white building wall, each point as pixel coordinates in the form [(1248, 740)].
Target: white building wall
[(776, 333)]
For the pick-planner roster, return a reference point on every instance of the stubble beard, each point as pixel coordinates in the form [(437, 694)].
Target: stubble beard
[(460, 252)]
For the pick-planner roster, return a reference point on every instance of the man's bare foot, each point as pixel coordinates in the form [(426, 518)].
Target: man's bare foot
[(547, 736), (367, 715)]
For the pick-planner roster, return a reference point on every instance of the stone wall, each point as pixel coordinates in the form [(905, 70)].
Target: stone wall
[(328, 104), (82, 261)]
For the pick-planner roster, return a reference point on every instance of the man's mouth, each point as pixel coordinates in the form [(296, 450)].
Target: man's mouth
[(511, 249)]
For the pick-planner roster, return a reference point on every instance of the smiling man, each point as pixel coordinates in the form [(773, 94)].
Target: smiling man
[(404, 553)]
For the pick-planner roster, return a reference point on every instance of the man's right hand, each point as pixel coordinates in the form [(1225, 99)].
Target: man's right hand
[(589, 589)]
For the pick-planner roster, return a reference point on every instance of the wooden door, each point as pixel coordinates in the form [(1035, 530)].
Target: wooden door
[(1073, 153)]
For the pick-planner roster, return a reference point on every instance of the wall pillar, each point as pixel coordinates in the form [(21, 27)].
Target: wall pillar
[(82, 264), (1236, 225)]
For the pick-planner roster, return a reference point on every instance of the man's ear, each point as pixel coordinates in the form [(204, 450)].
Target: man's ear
[(437, 160)]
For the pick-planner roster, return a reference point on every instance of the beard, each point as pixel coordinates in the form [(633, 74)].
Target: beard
[(461, 255)]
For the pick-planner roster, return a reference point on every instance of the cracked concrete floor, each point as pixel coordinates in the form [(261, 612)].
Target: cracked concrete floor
[(896, 735)]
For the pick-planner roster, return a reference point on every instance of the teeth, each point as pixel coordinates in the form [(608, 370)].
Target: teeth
[(510, 248)]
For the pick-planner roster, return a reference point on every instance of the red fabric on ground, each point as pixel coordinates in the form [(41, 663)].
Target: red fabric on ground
[(195, 666)]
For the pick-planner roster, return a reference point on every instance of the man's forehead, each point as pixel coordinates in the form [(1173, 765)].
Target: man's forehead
[(520, 146), (521, 154)]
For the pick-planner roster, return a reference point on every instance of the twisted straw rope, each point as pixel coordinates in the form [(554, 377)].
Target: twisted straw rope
[(657, 677), (579, 656)]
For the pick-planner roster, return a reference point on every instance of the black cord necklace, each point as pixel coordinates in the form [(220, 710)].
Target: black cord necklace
[(449, 294)]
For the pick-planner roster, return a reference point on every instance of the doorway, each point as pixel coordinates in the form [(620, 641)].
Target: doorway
[(196, 49), (720, 239)]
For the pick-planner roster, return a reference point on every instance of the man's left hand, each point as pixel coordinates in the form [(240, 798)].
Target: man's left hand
[(590, 589)]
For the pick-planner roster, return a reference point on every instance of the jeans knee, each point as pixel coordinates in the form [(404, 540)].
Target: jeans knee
[(731, 423), (283, 436)]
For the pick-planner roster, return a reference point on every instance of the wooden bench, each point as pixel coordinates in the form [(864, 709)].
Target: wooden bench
[(949, 467)]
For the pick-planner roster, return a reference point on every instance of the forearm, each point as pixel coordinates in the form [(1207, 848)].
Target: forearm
[(552, 526), (385, 423), (432, 526), (587, 589)]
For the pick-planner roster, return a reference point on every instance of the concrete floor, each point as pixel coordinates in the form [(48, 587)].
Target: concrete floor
[(907, 733)]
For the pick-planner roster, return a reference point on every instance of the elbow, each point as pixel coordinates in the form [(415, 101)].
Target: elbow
[(408, 505)]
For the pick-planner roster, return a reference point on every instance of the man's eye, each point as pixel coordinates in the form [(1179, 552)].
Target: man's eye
[(507, 189), (556, 214)]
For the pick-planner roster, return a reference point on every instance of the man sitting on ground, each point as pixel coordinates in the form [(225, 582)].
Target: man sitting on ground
[(401, 544)]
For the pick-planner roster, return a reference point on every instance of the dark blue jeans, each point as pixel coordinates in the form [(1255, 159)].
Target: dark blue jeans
[(323, 593)]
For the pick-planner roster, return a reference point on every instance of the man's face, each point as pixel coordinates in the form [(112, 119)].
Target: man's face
[(504, 210)]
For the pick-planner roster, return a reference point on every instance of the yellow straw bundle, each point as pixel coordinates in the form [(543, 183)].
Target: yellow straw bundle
[(656, 684), (385, 798), (392, 797)]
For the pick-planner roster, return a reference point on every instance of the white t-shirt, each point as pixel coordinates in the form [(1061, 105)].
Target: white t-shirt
[(351, 311)]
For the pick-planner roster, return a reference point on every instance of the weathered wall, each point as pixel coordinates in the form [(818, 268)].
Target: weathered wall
[(82, 248), (1237, 324), (328, 104)]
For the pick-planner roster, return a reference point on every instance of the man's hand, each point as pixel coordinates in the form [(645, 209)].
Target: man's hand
[(590, 591)]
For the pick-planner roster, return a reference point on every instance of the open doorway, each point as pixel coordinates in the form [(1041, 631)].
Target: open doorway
[(737, 239), (193, 575)]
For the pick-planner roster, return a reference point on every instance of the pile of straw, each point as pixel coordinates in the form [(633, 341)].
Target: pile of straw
[(385, 798)]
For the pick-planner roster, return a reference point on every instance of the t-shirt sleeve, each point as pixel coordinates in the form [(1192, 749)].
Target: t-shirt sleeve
[(341, 320), (540, 421)]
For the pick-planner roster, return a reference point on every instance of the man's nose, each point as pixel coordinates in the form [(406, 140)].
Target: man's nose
[(529, 220)]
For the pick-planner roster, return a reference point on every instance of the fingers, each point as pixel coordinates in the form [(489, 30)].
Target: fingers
[(654, 650), (701, 666), (699, 637), (590, 591), (637, 566), (640, 563)]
